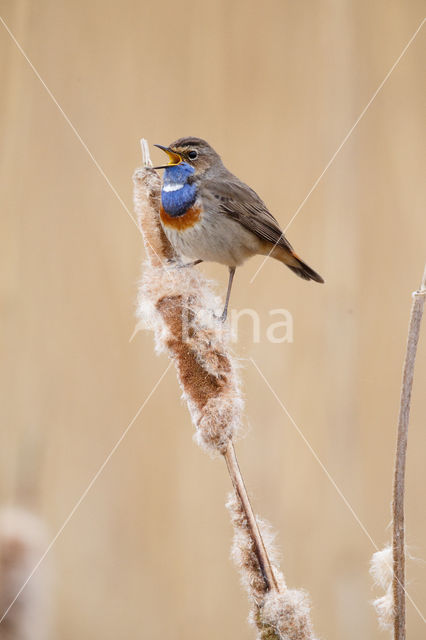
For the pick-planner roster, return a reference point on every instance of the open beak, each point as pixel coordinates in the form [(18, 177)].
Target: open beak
[(175, 158)]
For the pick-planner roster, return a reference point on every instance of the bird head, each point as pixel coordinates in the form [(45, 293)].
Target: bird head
[(195, 152)]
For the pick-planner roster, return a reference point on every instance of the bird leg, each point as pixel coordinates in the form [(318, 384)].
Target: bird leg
[(228, 293)]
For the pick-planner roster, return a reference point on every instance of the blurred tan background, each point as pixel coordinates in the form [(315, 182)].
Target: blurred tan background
[(275, 87)]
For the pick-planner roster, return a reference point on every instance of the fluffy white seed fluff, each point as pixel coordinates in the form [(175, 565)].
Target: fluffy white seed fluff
[(381, 569), (289, 614), (283, 615)]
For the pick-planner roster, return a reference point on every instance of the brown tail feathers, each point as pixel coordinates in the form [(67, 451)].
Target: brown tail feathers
[(301, 269)]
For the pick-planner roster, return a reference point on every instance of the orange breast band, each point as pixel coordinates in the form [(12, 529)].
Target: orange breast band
[(183, 222)]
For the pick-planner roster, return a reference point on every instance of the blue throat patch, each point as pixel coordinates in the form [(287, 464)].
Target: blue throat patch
[(177, 195)]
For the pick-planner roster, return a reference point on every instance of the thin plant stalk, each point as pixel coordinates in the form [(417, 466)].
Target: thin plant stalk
[(398, 541), (240, 488)]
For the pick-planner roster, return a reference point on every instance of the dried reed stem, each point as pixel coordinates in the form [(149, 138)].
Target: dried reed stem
[(197, 381), (179, 305), (398, 543), (241, 491)]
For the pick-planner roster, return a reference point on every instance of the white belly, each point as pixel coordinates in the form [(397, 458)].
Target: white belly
[(215, 238)]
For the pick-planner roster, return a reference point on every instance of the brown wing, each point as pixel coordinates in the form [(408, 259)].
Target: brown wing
[(238, 201)]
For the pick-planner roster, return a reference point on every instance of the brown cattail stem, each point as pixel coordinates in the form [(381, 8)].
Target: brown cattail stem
[(398, 542), (200, 386), (241, 491)]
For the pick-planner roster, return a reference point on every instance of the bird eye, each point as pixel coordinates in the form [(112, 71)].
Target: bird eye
[(192, 155)]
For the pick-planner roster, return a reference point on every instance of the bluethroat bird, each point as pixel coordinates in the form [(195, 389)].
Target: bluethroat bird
[(208, 214)]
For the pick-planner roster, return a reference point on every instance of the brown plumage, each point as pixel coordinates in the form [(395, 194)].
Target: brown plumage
[(234, 223), (242, 204)]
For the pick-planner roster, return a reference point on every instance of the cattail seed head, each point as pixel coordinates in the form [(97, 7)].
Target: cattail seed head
[(179, 305)]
